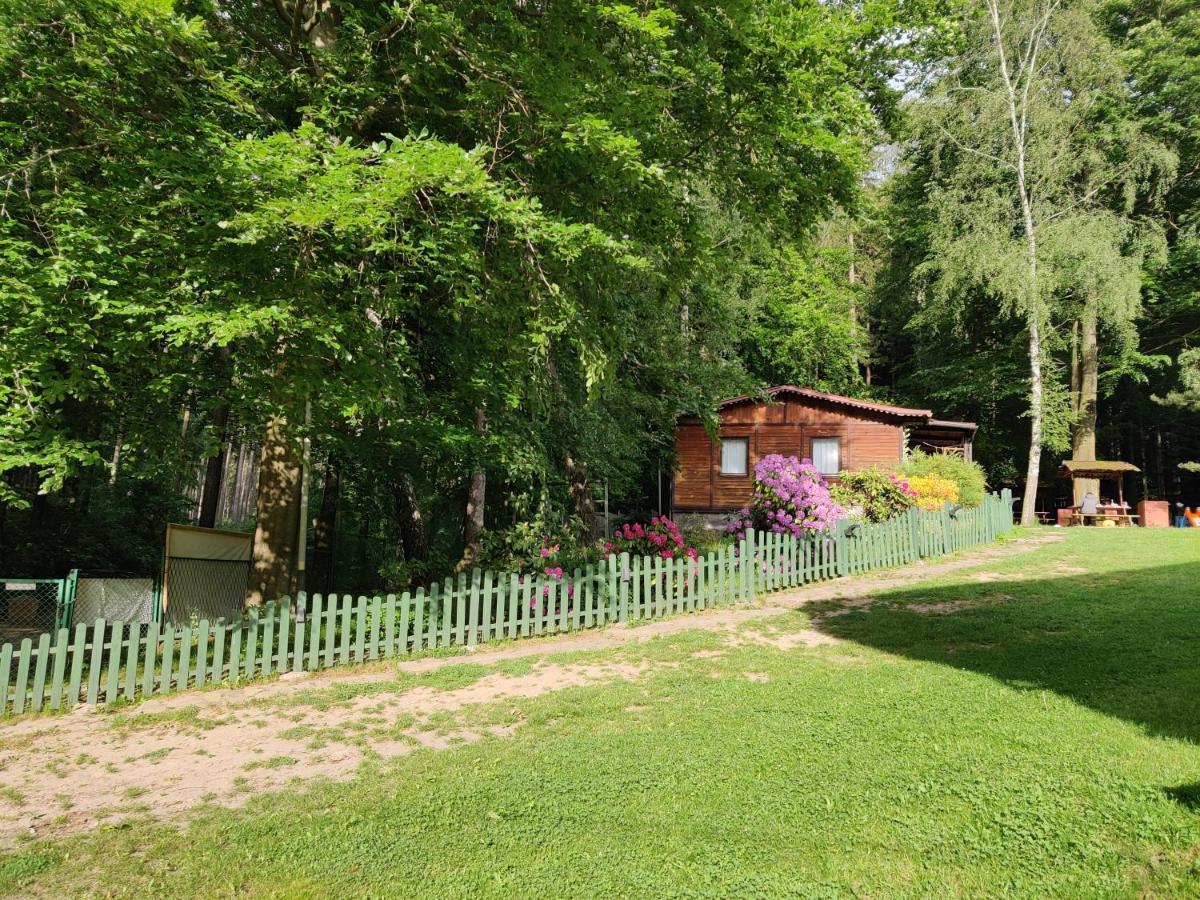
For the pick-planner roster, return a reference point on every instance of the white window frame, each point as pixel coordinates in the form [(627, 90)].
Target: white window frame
[(730, 442), (837, 442)]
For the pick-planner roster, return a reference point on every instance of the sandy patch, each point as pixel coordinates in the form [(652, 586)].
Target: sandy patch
[(217, 753), (941, 609), (790, 640), (988, 576)]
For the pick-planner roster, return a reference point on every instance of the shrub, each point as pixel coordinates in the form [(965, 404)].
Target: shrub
[(661, 537), (933, 490), (874, 494), (964, 473), (790, 497), (529, 546)]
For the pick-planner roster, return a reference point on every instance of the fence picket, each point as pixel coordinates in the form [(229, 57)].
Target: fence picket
[(648, 593), (22, 684), (114, 661), (419, 621), (344, 649), (6, 653), (499, 606), (60, 667), (373, 639), (234, 664), (217, 673), (251, 642), (360, 631), (623, 576), (389, 615), (389, 619), (447, 603), (313, 626), (202, 635), (39, 674), (133, 645), (167, 662), (267, 656), (472, 636), (77, 651), (185, 657), (514, 605)]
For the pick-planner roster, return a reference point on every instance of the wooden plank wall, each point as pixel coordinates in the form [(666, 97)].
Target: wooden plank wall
[(788, 428)]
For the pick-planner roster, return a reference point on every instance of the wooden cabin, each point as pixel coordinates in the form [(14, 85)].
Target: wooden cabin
[(837, 433)]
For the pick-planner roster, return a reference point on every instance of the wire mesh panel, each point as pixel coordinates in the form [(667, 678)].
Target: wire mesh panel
[(204, 574), (114, 599), (205, 589), (28, 608)]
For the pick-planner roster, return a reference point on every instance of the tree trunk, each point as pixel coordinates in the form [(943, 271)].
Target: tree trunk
[(1083, 435), (1015, 98), (325, 527), (1036, 400), (214, 471), (577, 484), (278, 515), (413, 539), (476, 497), (114, 464)]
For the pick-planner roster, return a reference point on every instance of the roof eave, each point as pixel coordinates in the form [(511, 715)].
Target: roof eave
[(897, 412)]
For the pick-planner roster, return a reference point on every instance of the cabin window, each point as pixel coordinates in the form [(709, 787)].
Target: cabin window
[(735, 454), (826, 455)]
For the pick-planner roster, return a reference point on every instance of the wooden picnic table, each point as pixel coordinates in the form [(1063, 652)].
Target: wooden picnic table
[(1118, 512)]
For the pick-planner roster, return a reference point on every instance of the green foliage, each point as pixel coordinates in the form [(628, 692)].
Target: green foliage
[(801, 311), (405, 216), (873, 494), (520, 547), (1113, 163), (119, 531), (963, 472)]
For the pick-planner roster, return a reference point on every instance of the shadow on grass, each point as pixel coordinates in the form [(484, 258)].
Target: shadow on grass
[(1186, 795), (1125, 643)]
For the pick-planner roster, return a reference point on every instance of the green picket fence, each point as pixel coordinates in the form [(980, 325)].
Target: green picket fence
[(103, 662)]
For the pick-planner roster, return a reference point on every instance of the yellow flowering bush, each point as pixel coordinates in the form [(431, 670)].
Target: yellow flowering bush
[(933, 490)]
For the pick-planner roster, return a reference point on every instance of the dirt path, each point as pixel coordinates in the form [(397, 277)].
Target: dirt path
[(163, 757)]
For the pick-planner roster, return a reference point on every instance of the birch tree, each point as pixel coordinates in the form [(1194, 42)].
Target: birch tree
[(1034, 175)]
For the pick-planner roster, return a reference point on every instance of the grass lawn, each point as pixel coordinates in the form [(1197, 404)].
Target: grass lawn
[(1029, 726)]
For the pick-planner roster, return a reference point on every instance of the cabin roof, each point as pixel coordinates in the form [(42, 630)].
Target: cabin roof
[(901, 412), (952, 425), (1095, 468)]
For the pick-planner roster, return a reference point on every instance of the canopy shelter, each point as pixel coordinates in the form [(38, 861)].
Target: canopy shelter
[(1102, 469)]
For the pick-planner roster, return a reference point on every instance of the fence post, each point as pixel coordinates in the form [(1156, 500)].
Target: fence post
[(751, 566), (841, 548)]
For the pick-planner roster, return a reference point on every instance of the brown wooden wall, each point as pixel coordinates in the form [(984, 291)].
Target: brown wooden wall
[(786, 427)]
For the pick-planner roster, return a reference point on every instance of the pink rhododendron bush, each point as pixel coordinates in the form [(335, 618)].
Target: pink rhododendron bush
[(547, 560), (790, 497), (661, 537)]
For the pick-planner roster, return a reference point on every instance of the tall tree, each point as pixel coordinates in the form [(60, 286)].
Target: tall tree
[(1035, 168)]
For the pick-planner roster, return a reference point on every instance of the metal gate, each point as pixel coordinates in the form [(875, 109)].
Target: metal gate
[(30, 607)]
